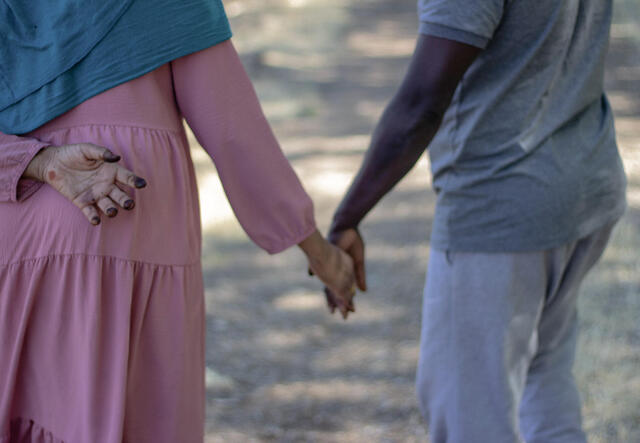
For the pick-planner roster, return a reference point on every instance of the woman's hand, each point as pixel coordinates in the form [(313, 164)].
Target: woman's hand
[(88, 176), (335, 269)]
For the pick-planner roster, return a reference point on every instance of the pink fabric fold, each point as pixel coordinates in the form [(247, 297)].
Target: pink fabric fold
[(27, 431)]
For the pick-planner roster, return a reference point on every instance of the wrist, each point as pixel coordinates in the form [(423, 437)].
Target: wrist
[(315, 248), (342, 222), (37, 167)]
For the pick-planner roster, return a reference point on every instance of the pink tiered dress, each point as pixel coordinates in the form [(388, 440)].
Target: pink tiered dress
[(102, 328)]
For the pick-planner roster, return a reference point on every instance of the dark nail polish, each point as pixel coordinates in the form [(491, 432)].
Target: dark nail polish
[(95, 221), (111, 212), (140, 182), (129, 204), (111, 157)]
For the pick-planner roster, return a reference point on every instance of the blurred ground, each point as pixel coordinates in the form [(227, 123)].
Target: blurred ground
[(285, 370)]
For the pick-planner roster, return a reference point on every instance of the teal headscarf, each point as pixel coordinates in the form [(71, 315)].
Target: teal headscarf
[(55, 54)]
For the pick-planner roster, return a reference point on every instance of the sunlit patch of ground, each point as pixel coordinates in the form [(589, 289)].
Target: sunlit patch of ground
[(324, 70)]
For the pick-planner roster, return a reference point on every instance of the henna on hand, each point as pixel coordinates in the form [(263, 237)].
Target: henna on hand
[(88, 176)]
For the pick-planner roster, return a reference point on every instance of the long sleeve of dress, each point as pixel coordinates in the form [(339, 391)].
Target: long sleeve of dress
[(15, 155), (218, 101)]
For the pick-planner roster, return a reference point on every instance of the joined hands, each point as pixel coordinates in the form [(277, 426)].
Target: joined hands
[(339, 264)]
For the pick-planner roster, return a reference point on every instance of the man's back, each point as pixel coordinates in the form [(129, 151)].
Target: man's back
[(526, 156)]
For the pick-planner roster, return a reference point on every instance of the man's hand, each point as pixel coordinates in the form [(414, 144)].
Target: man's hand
[(350, 241), (88, 176), (405, 129)]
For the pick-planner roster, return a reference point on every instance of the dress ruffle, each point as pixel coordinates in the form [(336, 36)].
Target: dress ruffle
[(27, 431)]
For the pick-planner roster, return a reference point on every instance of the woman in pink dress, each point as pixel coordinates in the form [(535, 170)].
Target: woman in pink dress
[(102, 318)]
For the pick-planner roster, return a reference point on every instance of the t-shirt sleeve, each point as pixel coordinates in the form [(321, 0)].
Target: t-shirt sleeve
[(472, 22)]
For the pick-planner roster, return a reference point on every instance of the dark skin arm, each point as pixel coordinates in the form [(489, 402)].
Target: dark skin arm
[(404, 131)]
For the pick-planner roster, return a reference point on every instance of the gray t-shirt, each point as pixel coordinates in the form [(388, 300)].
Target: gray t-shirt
[(526, 157)]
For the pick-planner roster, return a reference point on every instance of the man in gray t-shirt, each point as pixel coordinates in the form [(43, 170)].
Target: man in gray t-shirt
[(525, 158), (508, 96)]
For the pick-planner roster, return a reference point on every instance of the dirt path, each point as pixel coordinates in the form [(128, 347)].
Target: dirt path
[(289, 371)]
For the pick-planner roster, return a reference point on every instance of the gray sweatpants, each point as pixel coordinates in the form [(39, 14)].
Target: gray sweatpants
[(498, 344)]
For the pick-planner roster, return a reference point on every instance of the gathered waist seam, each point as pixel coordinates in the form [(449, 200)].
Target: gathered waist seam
[(99, 256), (176, 131)]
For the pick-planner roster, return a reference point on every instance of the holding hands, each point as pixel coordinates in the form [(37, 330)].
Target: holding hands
[(334, 268), (350, 241), (339, 265)]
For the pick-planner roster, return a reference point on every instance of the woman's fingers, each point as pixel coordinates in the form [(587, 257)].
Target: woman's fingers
[(345, 308), (88, 175), (342, 301), (95, 152), (118, 196), (107, 206), (92, 214), (126, 177), (331, 301)]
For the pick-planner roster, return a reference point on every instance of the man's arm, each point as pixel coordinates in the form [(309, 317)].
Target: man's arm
[(408, 124), (406, 128)]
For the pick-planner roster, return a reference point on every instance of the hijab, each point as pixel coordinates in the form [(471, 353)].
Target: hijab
[(56, 54)]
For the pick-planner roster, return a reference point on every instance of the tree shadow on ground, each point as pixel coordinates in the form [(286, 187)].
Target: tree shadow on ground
[(277, 336)]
